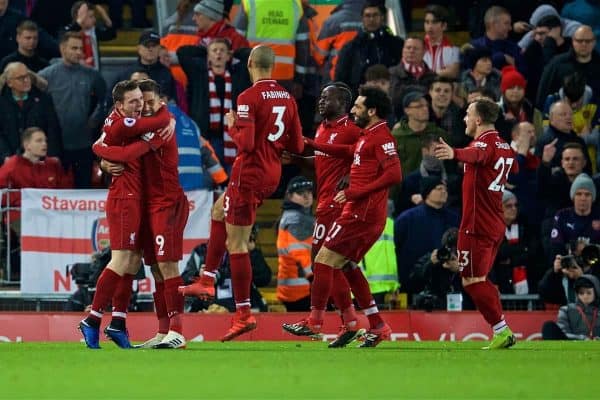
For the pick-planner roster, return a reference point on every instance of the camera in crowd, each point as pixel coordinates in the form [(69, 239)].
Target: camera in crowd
[(589, 257), (449, 240), (87, 274)]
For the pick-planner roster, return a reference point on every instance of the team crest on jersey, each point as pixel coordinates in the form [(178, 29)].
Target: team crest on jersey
[(332, 138), (129, 122), (481, 145), (100, 234)]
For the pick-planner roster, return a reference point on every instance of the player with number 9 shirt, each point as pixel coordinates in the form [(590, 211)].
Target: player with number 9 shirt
[(266, 124), (488, 160)]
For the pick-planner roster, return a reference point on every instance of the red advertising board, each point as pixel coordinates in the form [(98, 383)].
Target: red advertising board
[(406, 325)]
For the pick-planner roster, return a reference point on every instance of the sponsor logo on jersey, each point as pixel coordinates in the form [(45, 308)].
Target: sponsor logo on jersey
[(502, 145), (100, 234), (129, 122), (481, 145)]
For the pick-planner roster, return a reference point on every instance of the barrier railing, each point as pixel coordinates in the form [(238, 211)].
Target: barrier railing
[(6, 240)]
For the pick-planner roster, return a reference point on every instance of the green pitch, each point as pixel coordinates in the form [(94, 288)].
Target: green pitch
[(301, 370)]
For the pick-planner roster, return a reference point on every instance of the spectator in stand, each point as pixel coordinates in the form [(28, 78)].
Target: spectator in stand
[(182, 20), (515, 107), (586, 12), (544, 23), (215, 79), (479, 72), (294, 245), (419, 230), (554, 184), (338, 29), (410, 193), (576, 224), (32, 169), (410, 73), (574, 318), (561, 130), (78, 93), (440, 55), (27, 41), (378, 75), (581, 58), (557, 287), (374, 44), (548, 41), (209, 18), (84, 21), (409, 131), (9, 21), (445, 113), (24, 105), (524, 183), (512, 263), (505, 52)]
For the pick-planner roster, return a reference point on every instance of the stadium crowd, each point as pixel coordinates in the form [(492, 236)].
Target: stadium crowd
[(538, 61)]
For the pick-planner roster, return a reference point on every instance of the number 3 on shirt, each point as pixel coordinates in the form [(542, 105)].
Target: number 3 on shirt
[(503, 165), (278, 111)]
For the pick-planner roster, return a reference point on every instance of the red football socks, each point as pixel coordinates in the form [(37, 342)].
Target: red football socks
[(320, 288), (241, 280), (216, 246), (174, 302), (120, 301), (105, 288), (360, 288), (487, 300), (340, 290), (160, 307)]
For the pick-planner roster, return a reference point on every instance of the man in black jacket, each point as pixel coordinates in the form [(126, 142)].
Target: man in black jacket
[(23, 106), (374, 44), (27, 40)]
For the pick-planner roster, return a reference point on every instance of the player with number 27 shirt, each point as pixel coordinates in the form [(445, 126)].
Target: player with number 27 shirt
[(488, 160)]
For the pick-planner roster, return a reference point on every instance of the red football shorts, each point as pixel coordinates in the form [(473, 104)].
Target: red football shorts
[(476, 254), (323, 223), (163, 241), (240, 205), (124, 218), (352, 237)]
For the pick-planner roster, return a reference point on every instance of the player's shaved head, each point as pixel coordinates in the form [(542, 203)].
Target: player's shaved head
[(262, 57), (343, 93)]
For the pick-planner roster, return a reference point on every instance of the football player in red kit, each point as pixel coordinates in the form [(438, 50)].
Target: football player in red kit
[(375, 167), (123, 206), (336, 128), (488, 160), (266, 124)]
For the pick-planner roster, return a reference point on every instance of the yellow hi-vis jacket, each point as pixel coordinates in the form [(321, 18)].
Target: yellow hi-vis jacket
[(274, 23), (379, 264)]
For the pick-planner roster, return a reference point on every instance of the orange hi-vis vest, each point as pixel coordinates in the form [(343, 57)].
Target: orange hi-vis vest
[(274, 23), (294, 246)]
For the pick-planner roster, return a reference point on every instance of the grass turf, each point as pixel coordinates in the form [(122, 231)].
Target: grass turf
[(301, 370)]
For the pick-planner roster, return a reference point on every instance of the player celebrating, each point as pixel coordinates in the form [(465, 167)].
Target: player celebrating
[(336, 128), (266, 124), (123, 206), (488, 160), (375, 167)]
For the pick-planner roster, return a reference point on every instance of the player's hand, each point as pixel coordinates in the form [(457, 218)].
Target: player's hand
[(115, 169), (153, 139), (555, 33), (433, 257), (343, 183), (168, 131), (523, 141), (521, 27), (340, 197), (549, 151), (230, 119), (443, 150), (556, 265)]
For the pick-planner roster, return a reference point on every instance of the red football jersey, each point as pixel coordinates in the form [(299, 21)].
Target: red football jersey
[(488, 161), (267, 123), (121, 131), (160, 176), (375, 168), (329, 170)]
